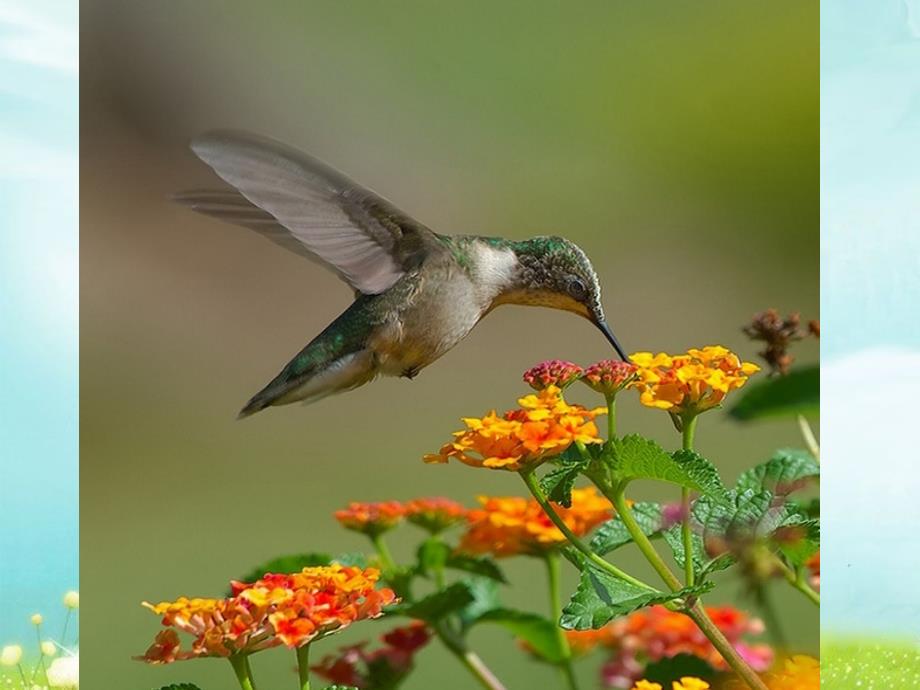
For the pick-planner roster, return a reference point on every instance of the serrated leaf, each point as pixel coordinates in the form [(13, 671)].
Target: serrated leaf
[(798, 538), (782, 474), (613, 534), (559, 482), (635, 457), (539, 632), (601, 597), (798, 392), (703, 565), (438, 605)]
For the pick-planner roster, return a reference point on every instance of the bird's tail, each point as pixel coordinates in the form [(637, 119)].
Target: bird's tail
[(336, 360)]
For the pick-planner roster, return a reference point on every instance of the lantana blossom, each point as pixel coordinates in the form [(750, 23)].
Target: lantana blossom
[(543, 426), (512, 525), (690, 383), (371, 518), (434, 514)]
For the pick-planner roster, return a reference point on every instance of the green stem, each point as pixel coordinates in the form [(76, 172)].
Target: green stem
[(533, 484), (809, 436), (41, 657), (386, 558), (468, 658), (555, 603), (618, 498), (240, 664), (698, 614), (689, 430), (797, 580), (303, 666), (611, 417)]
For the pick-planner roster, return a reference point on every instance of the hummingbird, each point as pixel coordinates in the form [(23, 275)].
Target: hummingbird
[(417, 292)]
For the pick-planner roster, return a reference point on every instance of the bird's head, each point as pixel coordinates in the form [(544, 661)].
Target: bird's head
[(555, 272)]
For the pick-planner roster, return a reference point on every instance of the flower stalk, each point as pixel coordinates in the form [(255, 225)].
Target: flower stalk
[(555, 601), (303, 666), (243, 671), (688, 430)]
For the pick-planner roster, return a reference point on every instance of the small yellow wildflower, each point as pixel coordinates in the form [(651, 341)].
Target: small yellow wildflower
[(690, 383), (11, 655), (49, 648), (37, 619), (646, 685), (72, 600), (690, 683)]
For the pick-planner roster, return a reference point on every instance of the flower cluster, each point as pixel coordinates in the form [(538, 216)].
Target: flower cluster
[(609, 376), (434, 514), (278, 609), (553, 372), (544, 425), (510, 526), (656, 633), (355, 666), (690, 383), (685, 683), (371, 518)]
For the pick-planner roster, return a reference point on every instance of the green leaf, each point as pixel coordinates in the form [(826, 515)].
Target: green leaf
[(539, 632), (485, 598), (432, 555), (438, 605), (703, 565), (181, 686), (477, 565), (613, 534), (785, 472), (798, 538), (781, 396), (559, 482), (635, 457), (355, 558), (601, 597), (669, 669), (291, 563)]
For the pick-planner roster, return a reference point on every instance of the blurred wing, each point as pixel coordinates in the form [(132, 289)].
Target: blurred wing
[(305, 206)]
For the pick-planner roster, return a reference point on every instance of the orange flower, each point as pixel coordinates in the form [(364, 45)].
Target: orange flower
[(434, 514), (658, 633), (798, 672), (543, 426), (814, 567), (221, 627), (691, 383), (316, 601), (581, 642), (511, 526), (371, 518)]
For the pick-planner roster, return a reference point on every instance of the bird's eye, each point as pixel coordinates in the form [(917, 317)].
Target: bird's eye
[(576, 288)]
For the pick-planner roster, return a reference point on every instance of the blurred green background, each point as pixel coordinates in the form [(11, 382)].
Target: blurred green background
[(676, 142)]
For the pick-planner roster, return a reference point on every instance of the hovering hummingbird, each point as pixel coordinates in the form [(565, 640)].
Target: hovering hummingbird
[(417, 293)]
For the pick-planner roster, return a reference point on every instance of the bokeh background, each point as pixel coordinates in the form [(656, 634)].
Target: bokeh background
[(677, 143)]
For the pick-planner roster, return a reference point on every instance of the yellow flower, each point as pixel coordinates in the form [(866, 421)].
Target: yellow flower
[(49, 648), (690, 683), (646, 685), (11, 655), (37, 619), (799, 672), (510, 526), (72, 600), (544, 425), (690, 383)]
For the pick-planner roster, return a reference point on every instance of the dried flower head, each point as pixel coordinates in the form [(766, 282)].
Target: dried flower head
[(434, 514), (778, 334), (691, 383), (609, 377), (371, 519), (316, 601), (553, 372), (543, 426), (510, 526)]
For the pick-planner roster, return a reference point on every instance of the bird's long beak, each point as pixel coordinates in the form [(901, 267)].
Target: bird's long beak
[(605, 329)]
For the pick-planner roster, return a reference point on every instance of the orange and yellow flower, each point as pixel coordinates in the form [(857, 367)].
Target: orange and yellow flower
[(510, 526), (544, 425), (685, 683), (434, 514), (278, 609), (371, 518), (690, 383), (221, 627), (317, 600), (797, 672)]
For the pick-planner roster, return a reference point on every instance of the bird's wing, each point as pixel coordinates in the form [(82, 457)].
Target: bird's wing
[(305, 206)]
